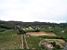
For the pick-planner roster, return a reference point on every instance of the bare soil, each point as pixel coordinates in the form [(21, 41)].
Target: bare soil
[(40, 34)]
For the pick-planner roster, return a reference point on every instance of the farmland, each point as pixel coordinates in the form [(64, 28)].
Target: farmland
[(9, 40), (31, 35)]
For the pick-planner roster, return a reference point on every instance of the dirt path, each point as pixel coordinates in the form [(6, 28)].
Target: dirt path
[(22, 47), (24, 44)]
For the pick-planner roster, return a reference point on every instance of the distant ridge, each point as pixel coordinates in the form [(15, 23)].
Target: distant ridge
[(35, 23)]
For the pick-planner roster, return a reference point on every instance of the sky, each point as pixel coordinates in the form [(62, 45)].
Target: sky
[(34, 10)]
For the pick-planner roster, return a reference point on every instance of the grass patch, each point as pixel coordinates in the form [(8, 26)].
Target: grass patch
[(8, 40), (33, 42)]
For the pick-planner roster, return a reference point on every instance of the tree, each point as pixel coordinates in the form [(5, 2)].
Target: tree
[(37, 29)]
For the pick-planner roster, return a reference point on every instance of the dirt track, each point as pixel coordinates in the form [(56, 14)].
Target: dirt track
[(24, 42)]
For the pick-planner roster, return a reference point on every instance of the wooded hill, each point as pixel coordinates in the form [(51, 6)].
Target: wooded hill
[(12, 24)]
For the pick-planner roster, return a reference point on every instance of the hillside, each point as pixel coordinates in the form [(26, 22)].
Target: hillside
[(31, 34)]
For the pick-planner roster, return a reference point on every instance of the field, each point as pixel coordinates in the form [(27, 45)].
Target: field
[(34, 41), (9, 40), (32, 37), (50, 34)]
